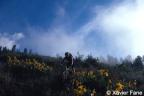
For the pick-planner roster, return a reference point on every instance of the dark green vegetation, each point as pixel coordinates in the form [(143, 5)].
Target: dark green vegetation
[(28, 74)]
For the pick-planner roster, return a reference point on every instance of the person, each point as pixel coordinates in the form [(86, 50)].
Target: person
[(68, 75), (68, 62)]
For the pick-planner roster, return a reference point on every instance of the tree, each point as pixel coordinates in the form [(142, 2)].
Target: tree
[(112, 60), (14, 48), (78, 60), (5, 49), (0, 48), (138, 64), (30, 51), (91, 61), (25, 50), (127, 61)]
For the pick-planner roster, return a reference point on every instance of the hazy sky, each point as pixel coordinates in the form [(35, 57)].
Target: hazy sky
[(97, 27)]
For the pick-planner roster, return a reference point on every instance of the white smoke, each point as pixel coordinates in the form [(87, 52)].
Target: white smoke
[(8, 40), (121, 25)]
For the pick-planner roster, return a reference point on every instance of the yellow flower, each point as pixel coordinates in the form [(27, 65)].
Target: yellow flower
[(104, 72), (119, 86), (80, 90)]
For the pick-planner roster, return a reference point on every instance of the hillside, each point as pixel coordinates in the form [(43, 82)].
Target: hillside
[(29, 74)]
